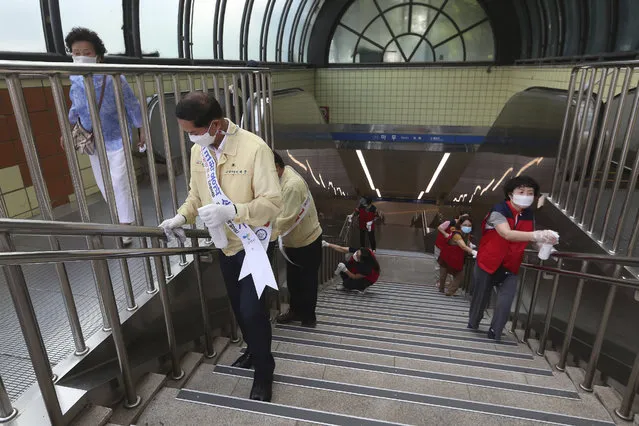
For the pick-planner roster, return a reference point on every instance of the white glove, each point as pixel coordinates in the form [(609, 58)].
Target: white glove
[(340, 268), (546, 236), (214, 215), (472, 246), (474, 254), (369, 226), (173, 228), (324, 243), (350, 218), (218, 236)]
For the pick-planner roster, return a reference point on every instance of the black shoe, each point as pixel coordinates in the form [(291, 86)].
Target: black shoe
[(491, 334), (472, 327), (309, 323), (287, 317), (244, 361), (262, 390)]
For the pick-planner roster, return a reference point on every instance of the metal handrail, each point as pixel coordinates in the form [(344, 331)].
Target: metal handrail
[(45, 227), (49, 68), (612, 259), (632, 284)]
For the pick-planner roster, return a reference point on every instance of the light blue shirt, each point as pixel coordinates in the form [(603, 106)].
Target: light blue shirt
[(108, 111)]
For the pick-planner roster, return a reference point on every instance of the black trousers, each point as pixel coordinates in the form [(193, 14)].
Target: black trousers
[(250, 314), (302, 278), (351, 284), (371, 238)]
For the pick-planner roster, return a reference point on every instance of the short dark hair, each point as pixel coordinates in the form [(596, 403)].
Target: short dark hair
[(200, 108), (278, 160), (85, 34), (520, 182)]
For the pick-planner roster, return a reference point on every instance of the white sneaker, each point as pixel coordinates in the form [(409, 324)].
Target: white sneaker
[(127, 241)]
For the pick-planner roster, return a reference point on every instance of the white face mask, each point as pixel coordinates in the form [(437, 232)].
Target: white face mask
[(205, 140), (355, 257), (524, 201), (85, 59)]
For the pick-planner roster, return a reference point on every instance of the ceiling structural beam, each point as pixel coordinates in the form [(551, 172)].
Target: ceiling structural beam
[(438, 170), (280, 30), (52, 26), (244, 31), (296, 23), (266, 24), (218, 29)]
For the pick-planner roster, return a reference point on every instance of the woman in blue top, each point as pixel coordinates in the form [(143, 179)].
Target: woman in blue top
[(87, 47)]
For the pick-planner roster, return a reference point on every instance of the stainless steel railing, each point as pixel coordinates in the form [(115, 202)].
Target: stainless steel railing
[(12, 262), (615, 281), (592, 156)]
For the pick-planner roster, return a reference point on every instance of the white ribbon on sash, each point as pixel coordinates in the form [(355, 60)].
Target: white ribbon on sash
[(255, 241)]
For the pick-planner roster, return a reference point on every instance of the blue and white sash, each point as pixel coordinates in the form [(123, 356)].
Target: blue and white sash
[(255, 241)]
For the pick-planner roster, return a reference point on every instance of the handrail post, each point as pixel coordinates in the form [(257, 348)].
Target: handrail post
[(561, 365), (108, 183), (551, 306), (599, 338), (533, 302), (520, 292), (209, 350), (105, 285), (176, 371), (32, 334), (625, 411), (7, 411)]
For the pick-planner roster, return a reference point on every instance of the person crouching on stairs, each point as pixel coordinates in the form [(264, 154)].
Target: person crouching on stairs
[(360, 272), (451, 259)]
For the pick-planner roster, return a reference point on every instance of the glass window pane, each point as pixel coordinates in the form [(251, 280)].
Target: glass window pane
[(551, 20), (300, 27), (378, 32), (480, 45), (359, 14), (599, 27), (424, 53), (288, 27), (202, 32), (627, 26), (572, 22), (104, 17), (233, 29), (442, 29), (342, 45), (21, 27), (422, 17), (368, 53), (158, 27), (255, 29), (271, 46), (464, 12), (452, 51), (307, 39)]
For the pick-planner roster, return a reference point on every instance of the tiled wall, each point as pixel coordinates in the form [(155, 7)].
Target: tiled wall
[(304, 79), (469, 96)]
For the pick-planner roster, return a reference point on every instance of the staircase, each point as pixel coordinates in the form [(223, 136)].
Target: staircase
[(398, 354)]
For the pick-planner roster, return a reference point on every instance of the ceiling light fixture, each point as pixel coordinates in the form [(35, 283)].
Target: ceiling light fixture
[(296, 161), (477, 188), (502, 178), (321, 180), (421, 194), (365, 167), (378, 194), (311, 170), (487, 187), (528, 164), (438, 170)]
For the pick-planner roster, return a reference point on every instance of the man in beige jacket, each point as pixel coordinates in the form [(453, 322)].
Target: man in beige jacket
[(235, 189), (301, 239)]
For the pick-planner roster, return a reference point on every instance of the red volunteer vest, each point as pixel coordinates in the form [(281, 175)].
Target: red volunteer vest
[(453, 255), (371, 278), (365, 216), (495, 251)]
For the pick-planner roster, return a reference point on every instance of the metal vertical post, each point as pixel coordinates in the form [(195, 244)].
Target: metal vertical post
[(251, 102), (533, 302), (133, 182), (270, 111), (263, 108), (520, 291), (601, 142), (573, 128), (625, 411), (561, 365), (227, 98), (131, 399), (591, 138), (7, 412), (562, 138), (620, 166), (611, 147), (76, 176), (159, 86), (205, 86), (244, 101), (551, 306), (153, 176), (108, 184), (28, 143), (191, 83), (601, 331), (237, 100), (176, 370), (259, 100), (578, 137), (216, 86)]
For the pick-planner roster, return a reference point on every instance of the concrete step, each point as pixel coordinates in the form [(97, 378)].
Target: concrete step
[(432, 305), (420, 350), (407, 359), (428, 312), (389, 405), (376, 293)]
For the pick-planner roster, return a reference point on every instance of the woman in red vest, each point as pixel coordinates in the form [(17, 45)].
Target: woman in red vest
[(360, 272), (367, 213), (451, 259), (506, 231)]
